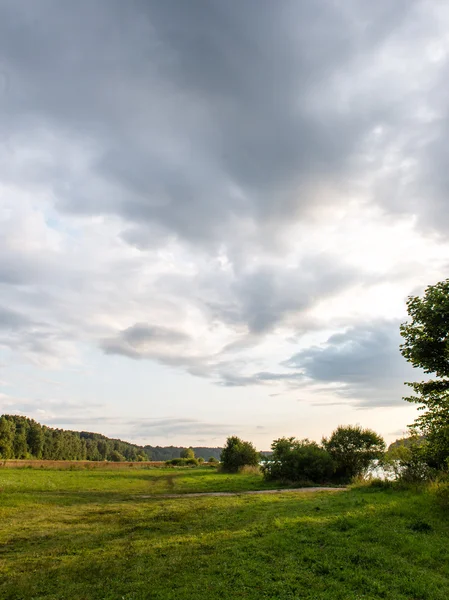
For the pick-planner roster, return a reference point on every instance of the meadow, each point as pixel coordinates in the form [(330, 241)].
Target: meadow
[(95, 534)]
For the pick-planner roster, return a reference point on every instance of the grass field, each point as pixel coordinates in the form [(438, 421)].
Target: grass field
[(91, 535)]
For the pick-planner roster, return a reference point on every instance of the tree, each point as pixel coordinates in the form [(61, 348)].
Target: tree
[(187, 453), (7, 431), (35, 439), (20, 439), (353, 450), (298, 460), (426, 346), (238, 453), (115, 456)]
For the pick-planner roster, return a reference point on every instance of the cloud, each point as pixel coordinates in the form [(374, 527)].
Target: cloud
[(143, 340), (363, 361), (221, 123), (11, 320), (362, 365)]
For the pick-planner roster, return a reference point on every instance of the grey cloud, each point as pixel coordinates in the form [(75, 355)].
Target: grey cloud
[(229, 379), (12, 320), (198, 115), (150, 341), (269, 295), (365, 360), (142, 333), (362, 365), (256, 300)]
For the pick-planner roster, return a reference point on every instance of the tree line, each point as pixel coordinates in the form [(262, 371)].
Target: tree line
[(24, 438)]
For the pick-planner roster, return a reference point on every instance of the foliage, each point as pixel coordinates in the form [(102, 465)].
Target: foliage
[(238, 453), (213, 460), (426, 346), (21, 438), (187, 453), (92, 534), (298, 460), (407, 462), (353, 450), (115, 456)]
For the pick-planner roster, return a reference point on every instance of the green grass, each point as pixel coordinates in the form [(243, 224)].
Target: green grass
[(91, 535), (130, 481)]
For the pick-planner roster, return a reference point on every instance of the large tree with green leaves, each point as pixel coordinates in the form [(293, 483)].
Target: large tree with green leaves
[(353, 449), (426, 346), (238, 453)]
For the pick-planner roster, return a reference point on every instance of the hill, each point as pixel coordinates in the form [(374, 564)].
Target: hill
[(21, 437)]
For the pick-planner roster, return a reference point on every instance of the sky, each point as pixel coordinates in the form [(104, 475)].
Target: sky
[(212, 213)]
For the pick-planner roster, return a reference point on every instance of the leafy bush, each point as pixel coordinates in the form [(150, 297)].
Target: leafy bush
[(298, 460), (187, 453), (238, 453), (353, 450), (410, 461), (115, 456), (212, 460)]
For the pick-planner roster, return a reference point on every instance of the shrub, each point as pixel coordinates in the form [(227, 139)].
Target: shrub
[(187, 453), (238, 453), (298, 460), (213, 460), (115, 456), (353, 450)]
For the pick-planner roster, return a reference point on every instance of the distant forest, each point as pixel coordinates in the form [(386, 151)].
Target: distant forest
[(21, 437)]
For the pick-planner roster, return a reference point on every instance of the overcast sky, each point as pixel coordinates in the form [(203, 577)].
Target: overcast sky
[(212, 212)]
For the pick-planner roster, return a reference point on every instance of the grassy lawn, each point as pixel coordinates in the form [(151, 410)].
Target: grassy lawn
[(82, 535), (134, 480)]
